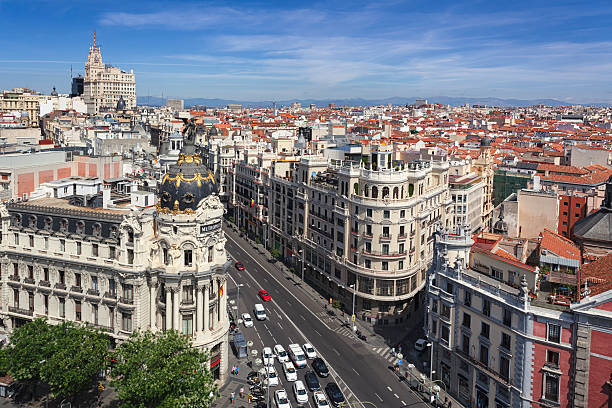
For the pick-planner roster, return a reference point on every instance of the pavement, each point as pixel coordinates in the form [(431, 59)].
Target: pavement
[(297, 313)]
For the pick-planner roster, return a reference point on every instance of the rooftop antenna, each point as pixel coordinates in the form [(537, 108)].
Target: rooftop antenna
[(94, 38)]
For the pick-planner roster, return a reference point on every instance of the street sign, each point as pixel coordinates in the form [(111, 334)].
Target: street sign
[(399, 362), (353, 318)]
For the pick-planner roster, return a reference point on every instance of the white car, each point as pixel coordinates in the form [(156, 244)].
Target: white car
[(309, 351), (319, 400), (280, 353), (299, 390), (290, 373), (420, 344), (268, 357), (271, 376), (282, 401), (246, 319)]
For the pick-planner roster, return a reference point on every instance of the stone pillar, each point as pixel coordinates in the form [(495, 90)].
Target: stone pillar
[(206, 323), (176, 301), (153, 307), (199, 324), (168, 309)]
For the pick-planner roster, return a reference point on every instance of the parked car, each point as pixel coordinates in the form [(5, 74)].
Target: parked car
[(312, 382), (280, 353), (318, 365), (268, 357), (263, 294), (239, 266), (299, 390), (334, 393), (309, 351), (280, 396), (246, 320), (420, 344), (290, 372), (319, 400)]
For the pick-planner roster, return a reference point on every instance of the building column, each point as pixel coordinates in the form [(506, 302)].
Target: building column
[(153, 308), (176, 301), (205, 322), (168, 309), (199, 324)]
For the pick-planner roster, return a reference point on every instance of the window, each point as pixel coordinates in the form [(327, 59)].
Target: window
[(401, 248), (486, 307), (506, 341), (434, 326), (111, 318), (386, 232), (434, 306), (128, 291), (467, 320), (94, 249), (188, 294), (77, 280), (78, 248), (401, 231), (402, 213), (165, 255), (94, 283), (385, 249), (188, 257), (30, 301), (111, 252), (211, 252), (94, 314), (386, 214), (126, 322), (369, 212), (111, 287), (551, 387), (46, 242), (62, 245), (77, 310), (484, 330), (16, 238), (444, 333), (188, 325), (507, 318), (368, 264), (467, 298), (465, 343), (385, 266), (62, 307), (484, 355), (130, 254), (504, 367), (31, 237), (31, 272), (445, 311), (46, 304), (400, 265), (552, 358), (369, 229), (62, 277), (554, 333)]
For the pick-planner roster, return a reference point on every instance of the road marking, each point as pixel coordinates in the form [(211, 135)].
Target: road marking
[(355, 371), (239, 274), (337, 352), (389, 388), (290, 341), (248, 284), (280, 326), (289, 303), (303, 318), (273, 338), (403, 403), (396, 396), (381, 400), (316, 331)]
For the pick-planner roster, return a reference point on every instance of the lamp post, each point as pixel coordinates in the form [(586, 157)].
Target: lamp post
[(430, 345), (301, 251), (354, 286), (238, 286)]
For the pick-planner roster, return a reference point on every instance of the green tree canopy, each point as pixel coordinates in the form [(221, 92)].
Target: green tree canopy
[(162, 369)]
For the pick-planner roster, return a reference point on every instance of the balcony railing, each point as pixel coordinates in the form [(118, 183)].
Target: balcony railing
[(384, 254), (14, 278), (93, 292), (61, 286), (127, 301), (75, 288), (29, 281), (402, 236), (495, 375), (187, 302), (19, 310), (44, 283), (110, 295), (385, 237)]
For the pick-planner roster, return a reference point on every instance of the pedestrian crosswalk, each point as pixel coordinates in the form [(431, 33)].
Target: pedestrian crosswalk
[(386, 353), (346, 331)]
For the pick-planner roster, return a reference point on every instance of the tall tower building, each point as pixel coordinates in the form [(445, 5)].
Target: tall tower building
[(483, 166), (104, 85)]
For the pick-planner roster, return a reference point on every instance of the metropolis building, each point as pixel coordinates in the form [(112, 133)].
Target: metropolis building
[(122, 269)]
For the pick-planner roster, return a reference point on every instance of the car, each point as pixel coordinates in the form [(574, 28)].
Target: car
[(290, 372), (263, 294), (318, 365), (299, 390), (271, 376), (309, 351), (312, 382), (268, 357), (239, 266), (334, 393), (246, 319), (420, 344), (319, 400), (280, 353), (282, 401)]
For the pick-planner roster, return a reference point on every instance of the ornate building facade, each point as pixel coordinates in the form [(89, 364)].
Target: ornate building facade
[(122, 269)]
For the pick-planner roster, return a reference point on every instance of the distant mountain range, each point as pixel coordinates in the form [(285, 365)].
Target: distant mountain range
[(396, 100)]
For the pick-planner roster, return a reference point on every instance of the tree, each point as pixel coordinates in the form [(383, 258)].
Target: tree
[(79, 353), (162, 370)]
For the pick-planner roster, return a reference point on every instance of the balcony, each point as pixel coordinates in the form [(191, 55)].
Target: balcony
[(402, 237), (110, 295), (60, 286), (93, 292), (493, 374), (14, 278), (18, 310), (44, 283), (28, 281), (77, 289), (383, 254), (385, 237), (102, 327), (126, 301)]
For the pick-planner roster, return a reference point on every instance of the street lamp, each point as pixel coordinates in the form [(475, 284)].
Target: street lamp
[(301, 251), (354, 286), (238, 286)]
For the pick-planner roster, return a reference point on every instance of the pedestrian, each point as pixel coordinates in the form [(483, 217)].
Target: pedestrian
[(241, 392), (393, 351), (232, 397), (249, 398), (237, 370)]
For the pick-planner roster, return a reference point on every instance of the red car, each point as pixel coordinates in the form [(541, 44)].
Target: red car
[(239, 266), (264, 296)]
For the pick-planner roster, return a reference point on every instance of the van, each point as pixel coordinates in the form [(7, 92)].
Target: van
[(260, 312), (297, 355)]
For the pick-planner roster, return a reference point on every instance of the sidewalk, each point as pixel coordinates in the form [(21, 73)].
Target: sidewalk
[(388, 339)]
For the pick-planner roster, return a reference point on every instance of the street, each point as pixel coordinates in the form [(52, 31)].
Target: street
[(360, 371)]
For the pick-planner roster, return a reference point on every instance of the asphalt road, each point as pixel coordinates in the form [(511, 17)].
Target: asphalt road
[(294, 317)]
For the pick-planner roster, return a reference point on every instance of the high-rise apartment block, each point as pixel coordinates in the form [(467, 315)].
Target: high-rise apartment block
[(104, 85)]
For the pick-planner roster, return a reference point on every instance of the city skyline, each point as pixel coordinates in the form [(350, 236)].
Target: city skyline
[(273, 51)]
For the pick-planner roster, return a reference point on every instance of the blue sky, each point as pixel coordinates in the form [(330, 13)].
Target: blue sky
[(279, 50)]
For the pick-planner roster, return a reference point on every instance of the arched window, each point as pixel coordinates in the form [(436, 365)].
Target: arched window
[(402, 196), (356, 188), (395, 193), (385, 192), (410, 190), (366, 190), (374, 192)]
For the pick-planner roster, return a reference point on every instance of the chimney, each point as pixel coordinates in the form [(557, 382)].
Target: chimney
[(536, 183)]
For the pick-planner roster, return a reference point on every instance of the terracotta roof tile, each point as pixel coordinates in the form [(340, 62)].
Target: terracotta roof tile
[(559, 245), (597, 275)]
